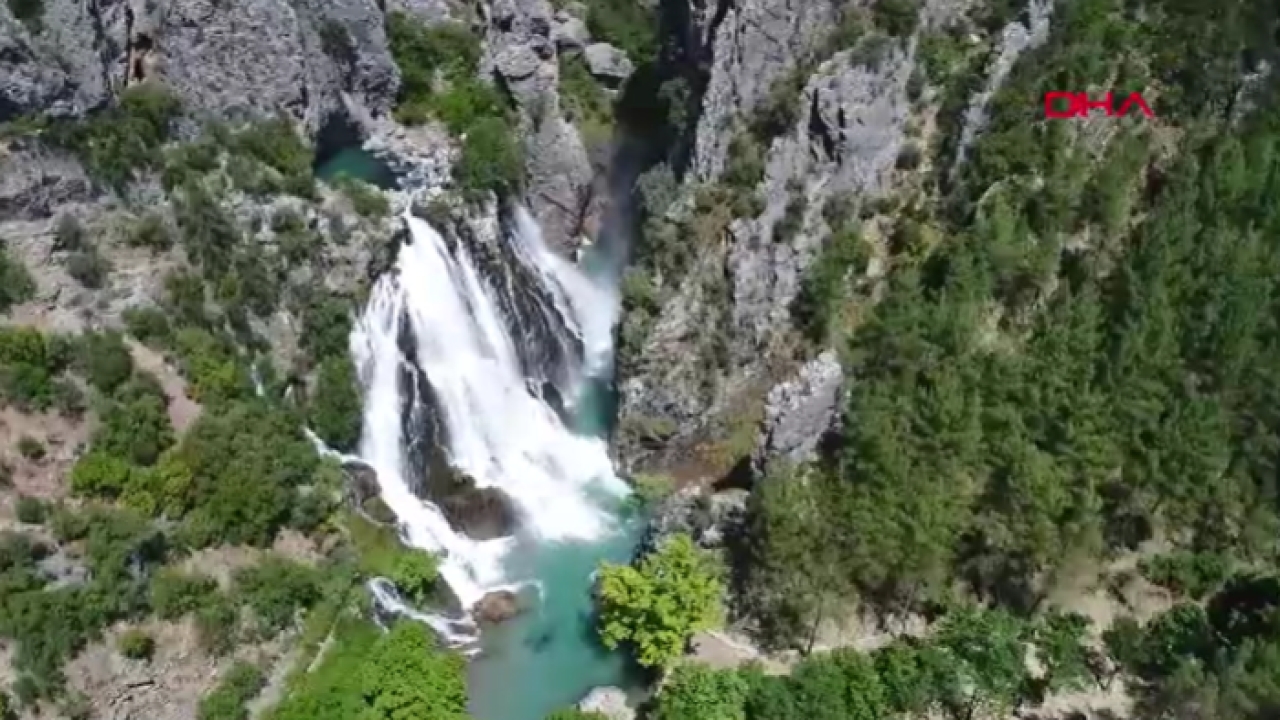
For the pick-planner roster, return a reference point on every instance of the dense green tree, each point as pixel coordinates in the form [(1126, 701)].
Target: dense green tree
[(335, 408), (408, 678), (16, 285), (415, 573), (799, 579), (276, 589), (236, 471), (659, 604), (697, 692), (105, 359), (174, 594)]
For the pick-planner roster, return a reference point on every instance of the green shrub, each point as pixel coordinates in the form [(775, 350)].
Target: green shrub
[(414, 574), (100, 474), (209, 235), (466, 102), (585, 101), (276, 589), (29, 364), (29, 12), (490, 160), (88, 267), (68, 234), (447, 51), (217, 625), (844, 253), (16, 284), (1194, 574), (211, 368), (277, 145), (408, 676), (365, 199), (151, 232), (656, 606), (326, 327), (136, 644), (631, 26), (899, 18), (187, 163), (30, 510), (174, 593), (31, 448), (334, 409), (116, 143), (236, 473), (228, 700), (105, 360), (149, 325), (136, 429)]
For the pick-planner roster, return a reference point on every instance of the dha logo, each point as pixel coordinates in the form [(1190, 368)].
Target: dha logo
[(1058, 105)]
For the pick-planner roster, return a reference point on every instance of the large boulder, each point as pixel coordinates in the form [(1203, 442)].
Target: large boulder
[(497, 606), (608, 62), (481, 513), (610, 702)]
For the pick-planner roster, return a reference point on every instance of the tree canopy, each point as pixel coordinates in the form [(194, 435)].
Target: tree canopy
[(659, 604)]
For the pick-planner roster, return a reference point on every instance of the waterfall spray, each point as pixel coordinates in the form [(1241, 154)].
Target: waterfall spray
[(500, 432)]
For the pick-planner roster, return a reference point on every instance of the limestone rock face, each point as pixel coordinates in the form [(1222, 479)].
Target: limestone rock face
[(798, 412), (755, 44), (608, 62), (608, 701), (60, 64), (709, 518), (569, 32), (843, 139), (258, 57), (36, 181), (231, 60), (522, 52)]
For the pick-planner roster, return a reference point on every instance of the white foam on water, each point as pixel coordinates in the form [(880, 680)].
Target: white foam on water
[(500, 433)]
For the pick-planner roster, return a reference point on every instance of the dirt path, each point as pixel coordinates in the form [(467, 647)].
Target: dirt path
[(182, 410)]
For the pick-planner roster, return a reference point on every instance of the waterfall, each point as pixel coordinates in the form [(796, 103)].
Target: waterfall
[(497, 427)]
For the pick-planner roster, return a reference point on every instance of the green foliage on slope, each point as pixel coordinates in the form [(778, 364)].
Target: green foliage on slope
[(656, 606)]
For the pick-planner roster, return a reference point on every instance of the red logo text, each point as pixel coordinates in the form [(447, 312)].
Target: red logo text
[(1078, 105)]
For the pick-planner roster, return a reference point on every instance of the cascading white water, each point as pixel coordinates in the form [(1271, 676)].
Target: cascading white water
[(499, 432)]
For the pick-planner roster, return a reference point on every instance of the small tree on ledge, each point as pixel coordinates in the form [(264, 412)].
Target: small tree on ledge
[(658, 605)]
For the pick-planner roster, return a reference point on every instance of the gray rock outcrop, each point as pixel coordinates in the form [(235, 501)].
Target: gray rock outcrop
[(497, 606), (847, 139), (36, 181), (756, 44), (799, 412), (257, 57), (569, 32), (522, 52), (610, 702), (59, 63), (608, 62), (710, 518), (1015, 39), (847, 133), (315, 60)]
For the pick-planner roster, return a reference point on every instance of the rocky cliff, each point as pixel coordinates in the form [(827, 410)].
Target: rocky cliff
[(814, 123)]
